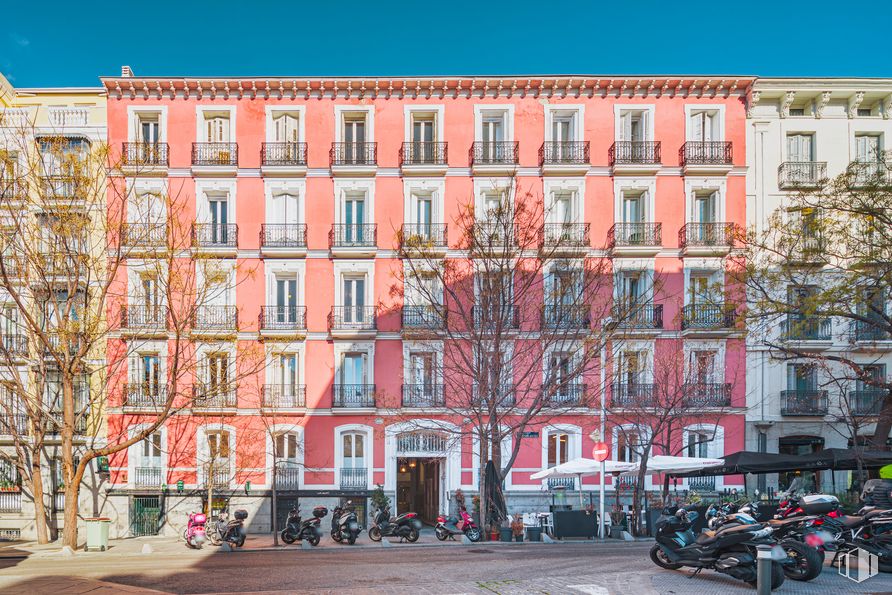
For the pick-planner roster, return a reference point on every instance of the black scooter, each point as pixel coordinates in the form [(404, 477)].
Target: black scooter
[(729, 550), (405, 526), (225, 530), (297, 530), (344, 524)]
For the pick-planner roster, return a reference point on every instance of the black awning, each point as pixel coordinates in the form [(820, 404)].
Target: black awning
[(837, 459)]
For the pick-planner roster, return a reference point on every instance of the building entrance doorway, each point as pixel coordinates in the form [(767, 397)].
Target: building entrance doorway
[(418, 487), (800, 482)]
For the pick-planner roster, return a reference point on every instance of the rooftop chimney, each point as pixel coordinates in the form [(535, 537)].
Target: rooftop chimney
[(126, 72)]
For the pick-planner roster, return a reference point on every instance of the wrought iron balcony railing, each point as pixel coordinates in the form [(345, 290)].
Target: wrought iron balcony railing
[(13, 425), (633, 395), (707, 394), (494, 153), (146, 154), (702, 484), (801, 328), (804, 402), (423, 153), (11, 502), (567, 394), (287, 476), (210, 396), (492, 317), (353, 318), (866, 402), (354, 479), (64, 187), (215, 318), (144, 317), (870, 173), (14, 345), (565, 235), (423, 395), (144, 395), (561, 483), (707, 316), (566, 316), (144, 235), (215, 235), (284, 396), (218, 474), (353, 154), (283, 154), (564, 153), (147, 477), (870, 331), (635, 234), (801, 174), (635, 152), (424, 317), (705, 153), (283, 235), (283, 318), (223, 154), (638, 316), (423, 235), (57, 422), (353, 395), (706, 234), (350, 235)]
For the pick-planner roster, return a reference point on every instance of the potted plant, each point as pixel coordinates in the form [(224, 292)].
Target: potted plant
[(517, 527), (617, 522)]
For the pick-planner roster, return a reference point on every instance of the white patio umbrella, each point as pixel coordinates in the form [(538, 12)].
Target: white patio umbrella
[(580, 468), (670, 465)]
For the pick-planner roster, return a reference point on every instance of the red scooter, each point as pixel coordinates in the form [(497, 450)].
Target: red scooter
[(194, 533), (449, 527)]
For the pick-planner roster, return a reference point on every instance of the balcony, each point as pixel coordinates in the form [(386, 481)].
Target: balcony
[(705, 157), (494, 158), (424, 238), (353, 158), (215, 320), (808, 332), (870, 174), (139, 237), (645, 317), (218, 474), (14, 425), (423, 158), (423, 318), (13, 346), (65, 189), (57, 421), (144, 395), (561, 483), (57, 342), (11, 502), (214, 158), (209, 398), (62, 268), (350, 321), (871, 334), (866, 402), (354, 479), (565, 237), (707, 319), (423, 396), (635, 239), (568, 394), (145, 158), (353, 396), (567, 317), (215, 238), (804, 402), (701, 484), (353, 239), (283, 239), (635, 157), (706, 239), (630, 396), (494, 318), (287, 476), (144, 320), (279, 397), (283, 159), (797, 175), (147, 477), (285, 321), (705, 394), (564, 157)]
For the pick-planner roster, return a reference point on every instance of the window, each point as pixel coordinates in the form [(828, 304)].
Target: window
[(354, 217), (354, 369), (633, 289), (150, 450), (218, 445), (701, 289), (218, 211), (149, 129), (218, 372), (631, 367), (797, 111), (698, 443), (800, 148), (422, 370), (563, 202), (286, 446), (285, 208), (286, 127), (423, 206), (802, 377), (563, 127), (867, 148), (704, 126), (286, 298), (558, 448), (628, 445), (864, 112), (353, 450), (216, 127), (705, 206), (354, 298), (701, 366), (634, 125), (634, 207), (493, 127), (285, 373), (9, 321), (565, 288), (873, 375), (150, 378), (562, 374)]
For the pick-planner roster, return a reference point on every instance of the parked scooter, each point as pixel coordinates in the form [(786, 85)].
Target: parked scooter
[(344, 524), (405, 526), (297, 530), (730, 550), (194, 533), (224, 530), (449, 527)]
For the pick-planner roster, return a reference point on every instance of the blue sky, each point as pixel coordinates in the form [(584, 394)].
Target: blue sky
[(68, 43)]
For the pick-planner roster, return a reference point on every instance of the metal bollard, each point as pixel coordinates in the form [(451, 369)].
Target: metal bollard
[(763, 569)]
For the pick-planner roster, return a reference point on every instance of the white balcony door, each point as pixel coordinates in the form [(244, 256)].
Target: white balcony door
[(218, 372), (631, 364), (354, 217), (633, 208), (867, 148), (354, 131), (218, 208), (149, 131), (353, 368), (286, 300), (422, 370), (705, 207), (353, 452), (562, 129), (493, 128), (286, 447), (700, 289), (150, 374), (563, 207), (633, 126), (632, 289), (150, 453), (285, 209), (701, 367), (217, 129), (287, 128), (9, 321), (800, 148), (354, 299), (424, 208), (285, 372), (151, 295), (147, 207), (704, 127)]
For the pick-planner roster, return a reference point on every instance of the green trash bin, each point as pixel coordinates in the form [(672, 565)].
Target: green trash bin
[(97, 534)]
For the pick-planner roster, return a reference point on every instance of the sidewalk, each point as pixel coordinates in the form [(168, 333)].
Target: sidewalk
[(51, 585)]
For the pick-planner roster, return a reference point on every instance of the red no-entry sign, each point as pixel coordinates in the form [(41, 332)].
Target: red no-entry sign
[(600, 451)]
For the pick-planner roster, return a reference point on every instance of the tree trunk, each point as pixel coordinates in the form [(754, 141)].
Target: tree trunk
[(884, 424), (72, 490), (40, 516), (72, 474)]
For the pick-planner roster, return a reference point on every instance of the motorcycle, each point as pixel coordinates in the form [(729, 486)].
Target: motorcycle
[(344, 524), (194, 533), (730, 550), (449, 527), (297, 530), (405, 526), (224, 530)]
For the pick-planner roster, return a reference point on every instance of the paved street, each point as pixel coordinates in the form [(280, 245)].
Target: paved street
[(583, 568)]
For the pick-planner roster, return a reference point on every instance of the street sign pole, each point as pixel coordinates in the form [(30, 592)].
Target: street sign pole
[(601, 490)]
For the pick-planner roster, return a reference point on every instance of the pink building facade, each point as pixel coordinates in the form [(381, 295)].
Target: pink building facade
[(295, 191)]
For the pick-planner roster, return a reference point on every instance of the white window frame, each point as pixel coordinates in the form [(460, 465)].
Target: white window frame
[(438, 110), (341, 110), (133, 114), (273, 188), (203, 450), (715, 447), (272, 111), (702, 267), (486, 109), (225, 265), (646, 348), (344, 187), (134, 453), (368, 451), (274, 350), (575, 110), (436, 187), (481, 187), (348, 268), (645, 266), (691, 108), (139, 187), (285, 267), (205, 189), (560, 185), (367, 347), (694, 185), (574, 442), (639, 185), (620, 108), (716, 346), (201, 110), (275, 430)]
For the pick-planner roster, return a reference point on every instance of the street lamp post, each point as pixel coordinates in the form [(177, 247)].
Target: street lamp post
[(603, 428), (273, 506)]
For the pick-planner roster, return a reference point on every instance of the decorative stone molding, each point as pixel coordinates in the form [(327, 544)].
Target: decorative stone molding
[(752, 101), (887, 106), (855, 101), (789, 98), (821, 103)]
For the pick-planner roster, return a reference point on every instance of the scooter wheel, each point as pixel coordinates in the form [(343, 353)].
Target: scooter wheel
[(474, 535), (313, 539), (658, 557), (287, 537), (351, 539), (806, 561), (241, 541), (441, 534), (375, 534), (412, 537), (336, 535)]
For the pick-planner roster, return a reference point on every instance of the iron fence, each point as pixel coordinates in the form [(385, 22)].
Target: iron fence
[(283, 154), (225, 154)]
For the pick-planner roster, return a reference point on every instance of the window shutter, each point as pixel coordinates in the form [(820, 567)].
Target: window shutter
[(697, 126), (625, 126)]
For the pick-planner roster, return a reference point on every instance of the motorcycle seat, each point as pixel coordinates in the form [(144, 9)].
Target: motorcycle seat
[(850, 521), (706, 537), (775, 523)]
